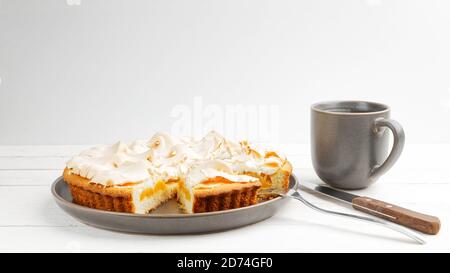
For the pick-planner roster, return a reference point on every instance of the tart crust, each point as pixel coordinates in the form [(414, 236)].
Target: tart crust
[(223, 196), (97, 196)]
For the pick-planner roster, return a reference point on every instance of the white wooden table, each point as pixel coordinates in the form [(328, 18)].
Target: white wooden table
[(31, 221)]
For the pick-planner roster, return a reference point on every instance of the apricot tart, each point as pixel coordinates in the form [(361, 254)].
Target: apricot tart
[(204, 175)]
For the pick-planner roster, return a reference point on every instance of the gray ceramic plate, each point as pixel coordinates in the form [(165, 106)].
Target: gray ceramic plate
[(167, 219)]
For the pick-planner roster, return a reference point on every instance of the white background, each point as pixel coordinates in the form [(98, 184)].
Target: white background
[(107, 70)]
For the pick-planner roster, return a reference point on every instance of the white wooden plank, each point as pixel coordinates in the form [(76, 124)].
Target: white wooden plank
[(46, 177), (302, 231), (31, 205), (28, 177), (69, 150), (33, 163), (41, 150), (303, 162), (394, 176), (55, 163), (286, 148)]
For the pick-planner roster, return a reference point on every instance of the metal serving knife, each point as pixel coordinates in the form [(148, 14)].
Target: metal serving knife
[(422, 222)]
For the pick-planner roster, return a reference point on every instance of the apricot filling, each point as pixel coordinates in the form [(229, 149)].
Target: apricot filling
[(184, 190), (271, 164), (147, 193), (217, 180)]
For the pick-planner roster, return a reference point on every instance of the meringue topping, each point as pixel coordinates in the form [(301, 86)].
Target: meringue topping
[(165, 157)]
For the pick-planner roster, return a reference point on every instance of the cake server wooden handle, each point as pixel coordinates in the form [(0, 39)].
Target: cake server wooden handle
[(422, 222)]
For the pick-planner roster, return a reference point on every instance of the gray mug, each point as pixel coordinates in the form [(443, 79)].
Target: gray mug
[(350, 143)]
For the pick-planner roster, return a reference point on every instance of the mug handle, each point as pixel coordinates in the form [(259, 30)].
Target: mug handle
[(397, 148)]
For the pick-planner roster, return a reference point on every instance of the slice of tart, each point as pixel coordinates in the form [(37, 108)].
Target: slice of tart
[(212, 186), (135, 197), (117, 178)]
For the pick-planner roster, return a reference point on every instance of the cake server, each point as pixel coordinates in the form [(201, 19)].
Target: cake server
[(421, 222)]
